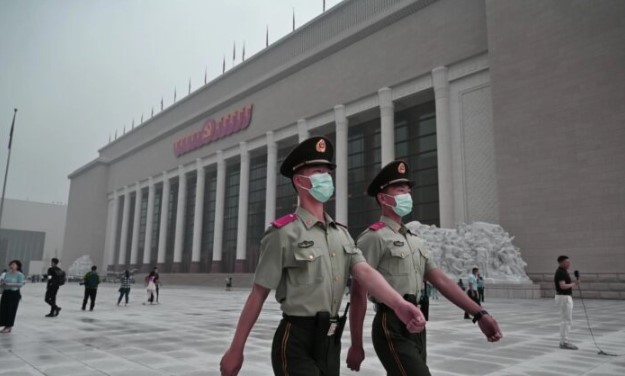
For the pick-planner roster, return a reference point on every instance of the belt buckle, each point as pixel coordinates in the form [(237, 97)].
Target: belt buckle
[(332, 329)]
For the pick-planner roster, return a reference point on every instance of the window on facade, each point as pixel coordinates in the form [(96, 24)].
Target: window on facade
[(286, 197), (142, 224), (131, 222), (231, 215), (256, 210), (120, 215), (189, 220), (415, 142), (208, 223), (171, 224), (156, 222)]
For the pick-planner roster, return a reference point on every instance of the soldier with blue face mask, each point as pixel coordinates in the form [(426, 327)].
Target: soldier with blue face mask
[(307, 257), (406, 263)]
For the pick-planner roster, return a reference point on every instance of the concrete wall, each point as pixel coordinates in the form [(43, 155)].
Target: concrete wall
[(37, 216), (558, 88), (86, 216)]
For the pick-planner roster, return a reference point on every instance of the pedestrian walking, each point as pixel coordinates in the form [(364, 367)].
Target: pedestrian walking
[(405, 262), (124, 288), (91, 280), (12, 281), (56, 278), (151, 289), (307, 258)]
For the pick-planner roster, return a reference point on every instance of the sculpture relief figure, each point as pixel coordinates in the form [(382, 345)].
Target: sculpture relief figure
[(483, 245)]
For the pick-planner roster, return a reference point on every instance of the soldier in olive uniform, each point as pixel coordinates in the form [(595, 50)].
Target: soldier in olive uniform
[(404, 261), (307, 258)]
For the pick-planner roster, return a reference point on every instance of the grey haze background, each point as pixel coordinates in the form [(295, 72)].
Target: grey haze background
[(79, 70)]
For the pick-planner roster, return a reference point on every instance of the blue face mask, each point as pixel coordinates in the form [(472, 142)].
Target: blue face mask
[(322, 186), (403, 204)]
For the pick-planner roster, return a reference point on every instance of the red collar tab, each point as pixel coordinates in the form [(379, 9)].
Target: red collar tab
[(376, 226), (283, 221)]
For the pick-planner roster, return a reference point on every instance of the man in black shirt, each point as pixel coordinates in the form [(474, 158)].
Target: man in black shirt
[(53, 288), (564, 300)]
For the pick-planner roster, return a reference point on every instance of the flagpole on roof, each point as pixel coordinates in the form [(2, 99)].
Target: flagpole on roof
[(6, 171), (293, 19), (267, 37)]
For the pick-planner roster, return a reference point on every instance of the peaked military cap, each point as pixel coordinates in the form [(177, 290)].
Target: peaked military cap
[(310, 152), (393, 173)]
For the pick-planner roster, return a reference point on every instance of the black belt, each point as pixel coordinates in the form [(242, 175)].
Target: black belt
[(559, 293), (305, 322)]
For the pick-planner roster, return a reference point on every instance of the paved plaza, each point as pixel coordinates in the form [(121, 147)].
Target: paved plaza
[(187, 333)]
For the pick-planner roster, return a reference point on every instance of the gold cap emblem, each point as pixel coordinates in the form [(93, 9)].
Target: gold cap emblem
[(321, 146), (401, 168)]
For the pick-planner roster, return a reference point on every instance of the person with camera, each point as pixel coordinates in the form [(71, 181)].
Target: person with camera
[(564, 300)]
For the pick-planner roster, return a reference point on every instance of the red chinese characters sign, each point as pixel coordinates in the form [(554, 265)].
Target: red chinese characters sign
[(214, 130)]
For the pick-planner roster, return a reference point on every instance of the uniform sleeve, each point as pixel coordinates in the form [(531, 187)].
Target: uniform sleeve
[(430, 264), (372, 247), (269, 268), (356, 253)]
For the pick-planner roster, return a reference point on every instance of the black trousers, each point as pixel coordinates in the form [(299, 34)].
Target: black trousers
[(480, 292), (90, 293), (8, 307), (401, 353), (293, 349), (51, 297), (123, 292)]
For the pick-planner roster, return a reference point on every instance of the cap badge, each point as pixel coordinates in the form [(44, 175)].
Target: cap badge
[(321, 146), (401, 168)]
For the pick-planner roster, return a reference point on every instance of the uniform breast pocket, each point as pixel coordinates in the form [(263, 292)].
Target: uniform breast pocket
[(308, 266), (400, 260)]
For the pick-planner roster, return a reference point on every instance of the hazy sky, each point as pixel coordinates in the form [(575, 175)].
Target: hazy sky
[(77, 70)]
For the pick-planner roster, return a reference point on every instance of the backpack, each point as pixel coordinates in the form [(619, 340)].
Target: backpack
[(59, 276)]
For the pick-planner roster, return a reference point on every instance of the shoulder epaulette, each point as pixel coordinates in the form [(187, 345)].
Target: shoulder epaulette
[(376, 226), (283, 221)]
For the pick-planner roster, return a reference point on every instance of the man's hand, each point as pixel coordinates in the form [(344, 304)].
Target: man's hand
[(231, 363), (411, 316), (490, 328), (355, 356)]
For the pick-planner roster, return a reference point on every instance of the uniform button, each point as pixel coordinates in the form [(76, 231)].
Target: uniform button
[(336, 279), (333, 254), (311, 257), (402, 254)]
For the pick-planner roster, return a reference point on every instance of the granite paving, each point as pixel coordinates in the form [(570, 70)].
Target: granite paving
[(188, 331)]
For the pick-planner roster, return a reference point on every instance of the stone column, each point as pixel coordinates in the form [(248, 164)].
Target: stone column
[(272, 175), (443, 144), (341, 164), (134, 242), (113, 233), (147, 245), (121, 261), (387, 125), (198, 216), (162, 232), (244, 192), (180, 213), (220, 195), (302, 130)]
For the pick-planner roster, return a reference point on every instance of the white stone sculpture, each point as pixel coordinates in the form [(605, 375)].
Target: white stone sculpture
[(81, 266), (483, 245)]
